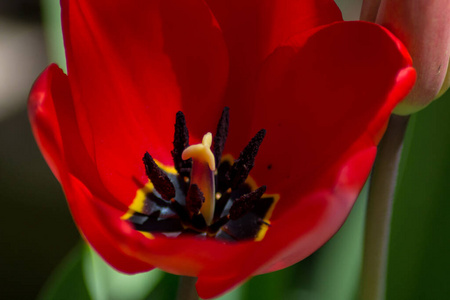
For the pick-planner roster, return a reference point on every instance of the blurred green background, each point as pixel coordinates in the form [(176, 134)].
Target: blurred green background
[(42, 255)]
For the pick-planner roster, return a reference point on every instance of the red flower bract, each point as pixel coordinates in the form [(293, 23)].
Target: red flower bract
[(322, 88)]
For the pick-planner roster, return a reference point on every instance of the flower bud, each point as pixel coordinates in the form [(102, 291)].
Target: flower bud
[(424, 27)]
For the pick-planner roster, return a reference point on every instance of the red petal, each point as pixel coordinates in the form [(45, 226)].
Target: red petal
[(131, 68), (94, 222), (254, 28), (55, 126), (319, 215), (44, 123), (320, 94)]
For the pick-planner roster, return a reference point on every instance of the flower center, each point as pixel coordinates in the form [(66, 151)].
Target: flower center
[(204, 194)]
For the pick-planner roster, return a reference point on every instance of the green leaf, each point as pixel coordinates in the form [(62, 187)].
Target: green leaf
[(273, 285), (105, 283), (419, 245), (67, 282), (166, 289), (338, 265), (235, 294), (51, 18)]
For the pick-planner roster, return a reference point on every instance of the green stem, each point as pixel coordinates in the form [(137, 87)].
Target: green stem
[(186, 288), (379, 210)]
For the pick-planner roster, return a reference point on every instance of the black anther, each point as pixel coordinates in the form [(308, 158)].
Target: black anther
[(242, 166), (181, 142), (246, 203), (221, 135), (160, 181)]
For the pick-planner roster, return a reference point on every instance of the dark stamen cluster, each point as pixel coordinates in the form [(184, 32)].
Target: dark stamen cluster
[(174, 204)]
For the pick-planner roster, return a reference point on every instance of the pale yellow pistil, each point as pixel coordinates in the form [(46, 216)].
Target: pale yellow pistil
[(202, 173)]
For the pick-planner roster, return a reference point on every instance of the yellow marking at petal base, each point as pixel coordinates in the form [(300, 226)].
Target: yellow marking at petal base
[(262, 232), (141, 194), (138, 202), (264, 227), (138, 206), (148, 235), (252, 183)]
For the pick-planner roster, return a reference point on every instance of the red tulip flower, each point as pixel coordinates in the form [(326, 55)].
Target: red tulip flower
[(144, 196)]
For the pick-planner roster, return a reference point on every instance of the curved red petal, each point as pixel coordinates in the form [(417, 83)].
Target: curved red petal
[(320, 214), (44, 123), (320, 94), (55, 126), (93, 217), (131, 68)]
